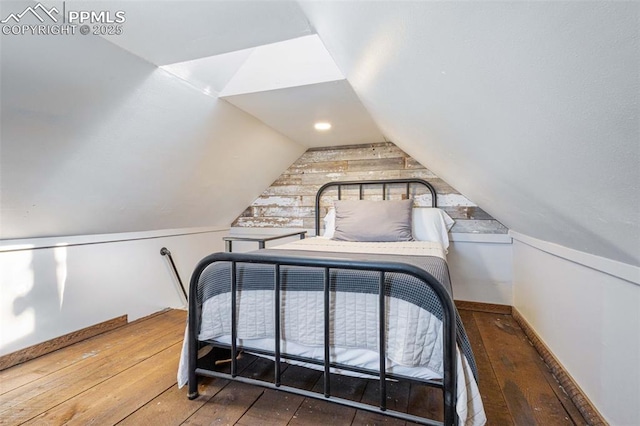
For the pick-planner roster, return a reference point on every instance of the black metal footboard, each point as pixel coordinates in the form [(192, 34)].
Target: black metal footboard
[(448, 383)]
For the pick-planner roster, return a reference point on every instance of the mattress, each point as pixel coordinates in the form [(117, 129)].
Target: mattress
[(414, 315)]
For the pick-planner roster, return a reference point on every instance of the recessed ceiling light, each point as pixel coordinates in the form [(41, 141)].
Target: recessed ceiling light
[(322, 125)]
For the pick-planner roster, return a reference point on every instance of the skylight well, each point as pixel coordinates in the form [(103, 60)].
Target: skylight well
[(293, 86)]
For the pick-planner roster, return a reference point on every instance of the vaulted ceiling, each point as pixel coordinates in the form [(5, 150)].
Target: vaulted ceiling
[(530, 109)]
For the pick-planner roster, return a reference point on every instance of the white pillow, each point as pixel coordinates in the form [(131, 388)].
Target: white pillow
[(330, 223), (428, 224), (432, 224)]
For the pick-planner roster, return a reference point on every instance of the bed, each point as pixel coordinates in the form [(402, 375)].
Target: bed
[(327, 302)]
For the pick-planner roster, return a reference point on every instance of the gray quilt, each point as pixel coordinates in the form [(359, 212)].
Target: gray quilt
[(216, 280)]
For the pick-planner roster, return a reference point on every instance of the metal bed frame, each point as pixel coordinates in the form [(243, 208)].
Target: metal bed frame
[(447, 384), (361, 183)]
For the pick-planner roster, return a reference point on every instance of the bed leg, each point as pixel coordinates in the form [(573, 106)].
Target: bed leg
[(193, 387)]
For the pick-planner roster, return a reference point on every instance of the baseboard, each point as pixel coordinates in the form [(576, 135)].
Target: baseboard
[(44, 348), (581, 401), (492, 308)]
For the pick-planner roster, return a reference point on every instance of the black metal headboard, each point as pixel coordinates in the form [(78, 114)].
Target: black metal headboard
[(383, 183)]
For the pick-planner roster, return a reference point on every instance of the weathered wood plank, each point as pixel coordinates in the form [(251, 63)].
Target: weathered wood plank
[(570, 407), (316, 412), (412, 164), (231, 403), (313, 411), (376, 164), (263, 412), (296, 188), (417, 173), (288, 179), (466, 213), (359, 152), (318, 167), (100, 346), (291, 190), (69, 339), (479, 227), (272, 222), (42, 394), (397, 399), (272, 408), (172, 407), (279, 201), (368, 418), (495, 406), (113, 399), (426, 401), (227, 406), (138, 395), (493, 308), (290, 211), (569, 393), (527, 394), (321, 179)]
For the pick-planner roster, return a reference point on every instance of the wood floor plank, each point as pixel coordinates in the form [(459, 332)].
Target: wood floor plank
[(425, 401), (301, 377), (227, 406), (278, 408), (72, 389), (29, 372), (235, 399), (317, 412), (313, 411), (25, 402), (52, 345), (368, 418), (397, 400), (397, 394), (273, 408), (114, 399), (495, 406), (346, 387), (529, 397), (172, 407)]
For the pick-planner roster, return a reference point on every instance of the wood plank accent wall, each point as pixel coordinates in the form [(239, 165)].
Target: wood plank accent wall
[(289, 201)]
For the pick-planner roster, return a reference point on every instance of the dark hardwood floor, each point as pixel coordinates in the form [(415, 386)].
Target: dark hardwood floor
[(128, 376)]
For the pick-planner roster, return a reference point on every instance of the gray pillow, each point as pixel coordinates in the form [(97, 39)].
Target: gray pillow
[(366, 220)]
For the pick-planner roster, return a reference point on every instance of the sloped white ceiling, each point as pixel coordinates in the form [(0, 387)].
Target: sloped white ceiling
[(166, 32), (531, 109), (96, 140), (291, 63), (292, 111), (288, 85)]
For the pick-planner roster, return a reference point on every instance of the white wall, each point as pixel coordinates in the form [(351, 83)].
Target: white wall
[(590, 320), (54, 286), (96, 140), (530, 109), (481, 268)]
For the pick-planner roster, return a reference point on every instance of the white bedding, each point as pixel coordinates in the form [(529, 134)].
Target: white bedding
[(415, 248), (414, 339)]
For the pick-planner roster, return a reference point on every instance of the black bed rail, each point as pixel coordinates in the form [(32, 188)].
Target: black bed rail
[(361, 183), (448, 384)]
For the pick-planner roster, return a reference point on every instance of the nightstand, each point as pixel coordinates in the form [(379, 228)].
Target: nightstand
[(261, 239)]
